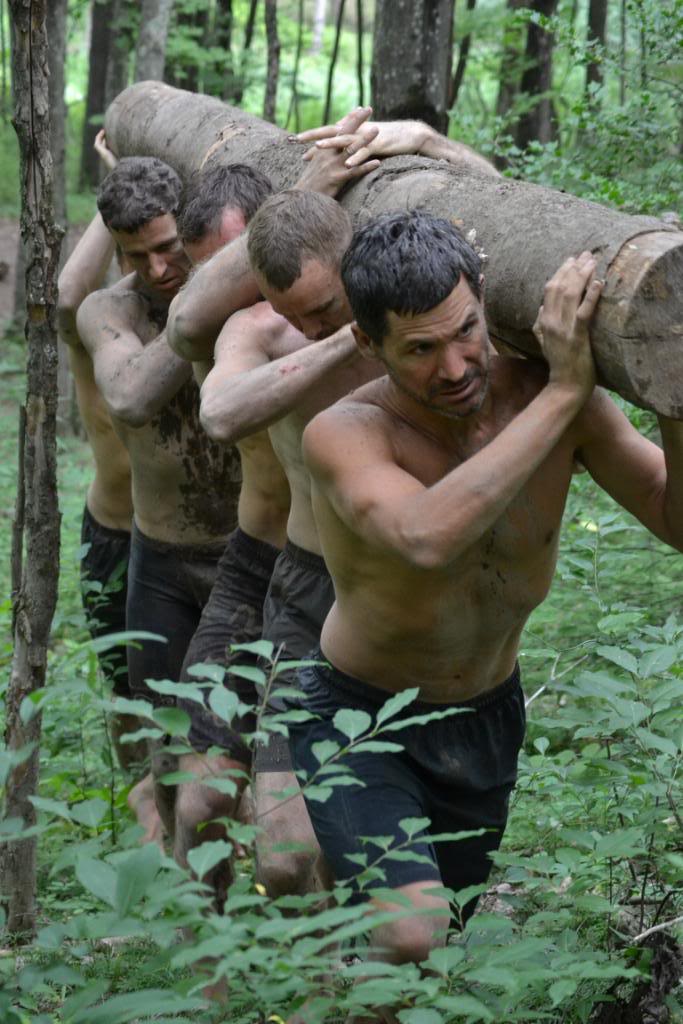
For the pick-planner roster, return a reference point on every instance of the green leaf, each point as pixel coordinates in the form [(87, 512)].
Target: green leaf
[(411, 826), (625, 843), (351, 722), (186, 691), (89, 812), (134, 876), (377, 747), (207, 855), (324, 750), (420, 1016), (562, 989), (174, 721), (654, 742), (657, 661), (214, 673), (97, 877), (261, 648), (251, 672), (620, 657), (397, 703), (224, 703)]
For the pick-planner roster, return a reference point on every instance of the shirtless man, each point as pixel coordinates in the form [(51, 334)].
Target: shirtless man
[(108, 512), (185, 487), (267, 374), (438, 493)]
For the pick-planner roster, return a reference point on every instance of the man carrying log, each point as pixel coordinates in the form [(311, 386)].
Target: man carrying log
[(268, 375), (185, 487), (438, 492)]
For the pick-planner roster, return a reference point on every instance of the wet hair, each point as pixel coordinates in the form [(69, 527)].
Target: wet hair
[(139, 189), (212, 190), (405, 262), (295, 226)]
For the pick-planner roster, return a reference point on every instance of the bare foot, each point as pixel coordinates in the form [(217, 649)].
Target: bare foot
[(141, 803)]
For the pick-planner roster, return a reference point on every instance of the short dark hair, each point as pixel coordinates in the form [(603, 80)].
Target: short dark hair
[(212, 190), (294, 226), (406, 262), (139, 189)]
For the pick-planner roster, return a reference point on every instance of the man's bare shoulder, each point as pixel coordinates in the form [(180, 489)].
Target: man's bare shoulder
[(273, 334), (361, 418)]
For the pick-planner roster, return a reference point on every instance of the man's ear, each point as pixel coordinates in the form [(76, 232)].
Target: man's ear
[(366, 345)]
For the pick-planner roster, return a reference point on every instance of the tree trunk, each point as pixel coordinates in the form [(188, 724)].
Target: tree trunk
[(526, 230), (100, 38), (37, 524), (118, 62), (411, 60), (151, 52), (538, 123), (333, 60), (222, 38), (4, 92), (319, 16), (597, 23), (463, 54), (248, 37), (273, 41), (360, 72), (510, 61), (294, 98)]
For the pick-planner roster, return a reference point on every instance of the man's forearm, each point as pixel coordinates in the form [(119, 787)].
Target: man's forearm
[(220, 287), (238, 405), (438, 147), (672, 442), (136, 391)]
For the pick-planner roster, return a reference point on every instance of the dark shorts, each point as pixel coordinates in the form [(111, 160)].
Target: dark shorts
[(232, 615), (457, 771), (168, 586), (104, 575), (299, 598)]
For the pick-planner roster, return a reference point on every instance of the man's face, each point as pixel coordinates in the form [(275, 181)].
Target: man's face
[(155, 252), (231, 225), (441, 358), (316, 304)]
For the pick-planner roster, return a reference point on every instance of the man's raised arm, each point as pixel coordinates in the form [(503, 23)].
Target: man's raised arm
[(135, 380)]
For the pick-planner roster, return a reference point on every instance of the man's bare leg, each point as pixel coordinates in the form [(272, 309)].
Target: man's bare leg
[(132, 757), (285, 820)]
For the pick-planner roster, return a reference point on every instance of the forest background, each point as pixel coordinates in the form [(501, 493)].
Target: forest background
[(584, 97)]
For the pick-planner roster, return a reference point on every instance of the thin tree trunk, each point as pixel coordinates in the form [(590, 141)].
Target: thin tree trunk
[(597, 23), (539, 122), (360, 28), (35, 601), (510, 62), (463, 54), (4, 97), (118, 63), (622, 53), (319, 17), (151, 52), (526, 230), (294, 99), (223, 40), (411, 61), (273, 42), (248, 37), (333, 60), (100, 41)]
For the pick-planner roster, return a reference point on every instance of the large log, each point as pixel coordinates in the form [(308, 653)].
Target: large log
[(525, 230)]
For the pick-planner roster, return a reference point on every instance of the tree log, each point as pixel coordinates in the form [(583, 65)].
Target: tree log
[(526, 231)]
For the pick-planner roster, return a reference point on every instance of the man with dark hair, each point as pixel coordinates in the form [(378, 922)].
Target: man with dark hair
[(217, 204), (185, 487), (438, 493), (265, 375)]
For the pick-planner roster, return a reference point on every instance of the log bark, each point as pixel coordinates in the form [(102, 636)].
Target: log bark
[(35, 577), (411, 60), (525, 230)]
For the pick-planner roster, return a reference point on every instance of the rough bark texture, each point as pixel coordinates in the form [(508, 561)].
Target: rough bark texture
[(223, 26), (333, 60), (118, 62), (273, 69), (463, 54), (538, 123), (151, 52), (100, 38), (35, 581), (411, 61), (509, 74), (597, 23), (526, 230)]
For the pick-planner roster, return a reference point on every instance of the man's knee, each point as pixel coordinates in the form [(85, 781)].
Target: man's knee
[(410, 940), (284, 874)]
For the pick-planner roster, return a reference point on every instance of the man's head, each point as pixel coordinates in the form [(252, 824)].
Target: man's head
[(415, 288), (138, 202), (216, 206), (296, 243)]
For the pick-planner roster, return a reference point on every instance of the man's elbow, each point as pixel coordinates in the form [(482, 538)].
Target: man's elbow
[(183, 335), (217, 424), (130, 411), (422, 550)]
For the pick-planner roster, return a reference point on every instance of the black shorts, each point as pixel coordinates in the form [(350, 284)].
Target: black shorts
[(104, 578), (232, 615), (299, 598), (168, 586), (457, 771)]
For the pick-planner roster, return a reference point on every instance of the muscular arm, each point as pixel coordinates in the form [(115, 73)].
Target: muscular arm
[(352, 462), (247, 390), (135, 379), (82, 274), (220, 287), (645, 480)]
